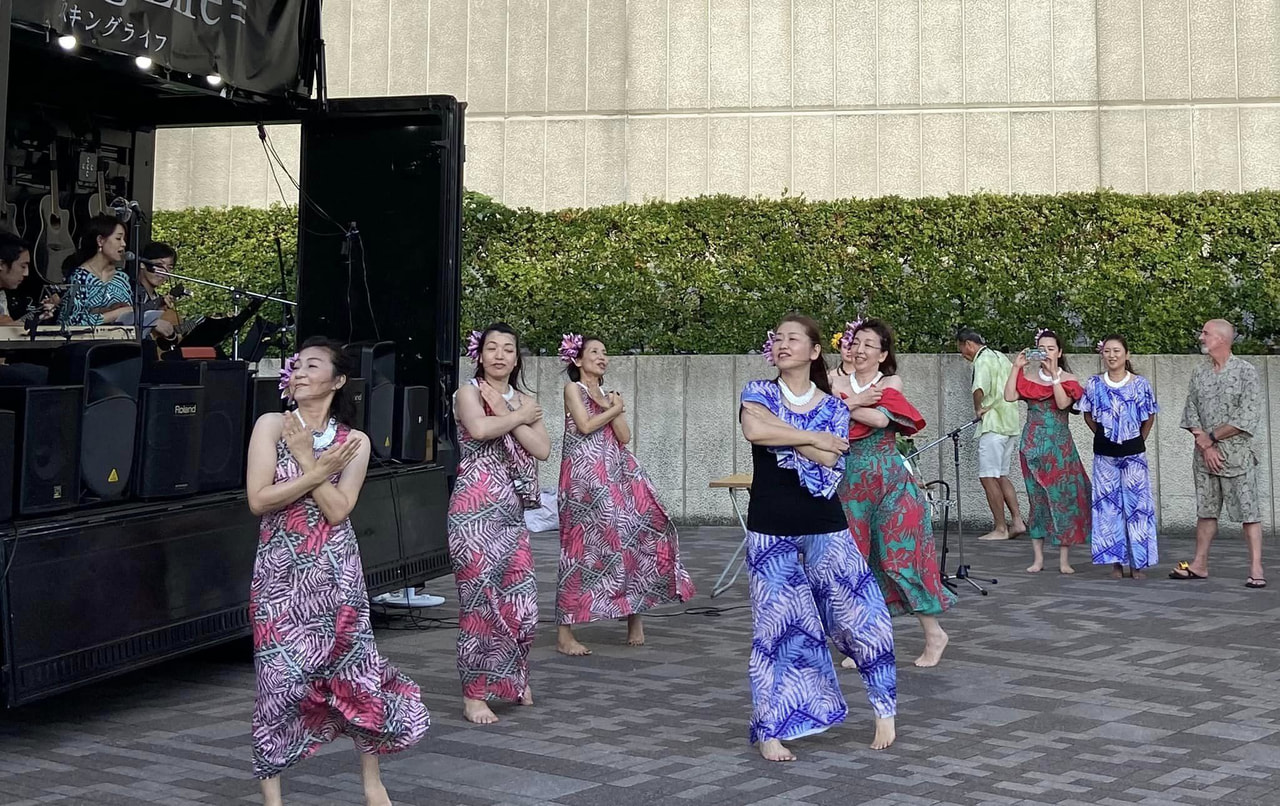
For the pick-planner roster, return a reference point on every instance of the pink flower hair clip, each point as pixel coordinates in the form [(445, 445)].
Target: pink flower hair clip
[(1040, 331), (1100, 344), (850, 328), (473, 345), (767, 348), (286, 375), (570, 347)]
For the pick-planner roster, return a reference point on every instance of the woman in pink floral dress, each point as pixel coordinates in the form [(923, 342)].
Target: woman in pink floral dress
[(619, 554), (501, 437), (319, 673)]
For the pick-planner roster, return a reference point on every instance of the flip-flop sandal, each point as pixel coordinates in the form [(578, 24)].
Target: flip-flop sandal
[(1255, 583), (1187, 573)]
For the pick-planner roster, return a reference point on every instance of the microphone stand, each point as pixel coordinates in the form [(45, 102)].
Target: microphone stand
[(237, 294), (962, 569)]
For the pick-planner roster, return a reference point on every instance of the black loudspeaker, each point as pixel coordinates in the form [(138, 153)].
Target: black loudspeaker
[(413, 424), (376, 362), (359, 391), (46, 445), (110, 373), (265, 399), (226, 385), (6, 466), (172, 435)]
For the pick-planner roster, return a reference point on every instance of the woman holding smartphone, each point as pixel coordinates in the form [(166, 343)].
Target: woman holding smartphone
[(1057, 487)]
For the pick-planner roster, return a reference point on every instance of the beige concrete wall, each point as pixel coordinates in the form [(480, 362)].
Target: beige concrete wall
[(589, 102), (683, 414)]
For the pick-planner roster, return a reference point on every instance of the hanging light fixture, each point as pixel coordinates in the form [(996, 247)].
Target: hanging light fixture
[(67, 42)]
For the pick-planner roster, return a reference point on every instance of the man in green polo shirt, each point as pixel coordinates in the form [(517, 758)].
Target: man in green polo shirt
[(997, 433)]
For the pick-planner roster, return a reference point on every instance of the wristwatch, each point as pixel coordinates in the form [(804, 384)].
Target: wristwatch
[(1213, 438)]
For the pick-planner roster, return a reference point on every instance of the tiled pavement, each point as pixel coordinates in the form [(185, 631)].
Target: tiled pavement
[(1055, 690)]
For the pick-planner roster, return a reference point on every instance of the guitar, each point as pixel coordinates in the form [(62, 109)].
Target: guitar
[(55, 224), (98, 201)]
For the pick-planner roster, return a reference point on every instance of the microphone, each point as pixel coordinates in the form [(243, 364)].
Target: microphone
[(128, 256), (179, 291)]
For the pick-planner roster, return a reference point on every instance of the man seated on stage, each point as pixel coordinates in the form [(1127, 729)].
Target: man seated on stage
[(162, 258), (15, 259)]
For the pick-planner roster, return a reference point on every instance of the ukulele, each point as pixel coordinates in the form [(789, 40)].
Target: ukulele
[(53, 219)]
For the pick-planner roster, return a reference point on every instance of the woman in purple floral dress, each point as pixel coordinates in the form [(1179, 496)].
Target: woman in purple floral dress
[(501, 437), (319, 673), (1057, 487)]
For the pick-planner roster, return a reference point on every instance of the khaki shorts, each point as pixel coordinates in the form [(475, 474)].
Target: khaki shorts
[(994, 452), (1239, 494)]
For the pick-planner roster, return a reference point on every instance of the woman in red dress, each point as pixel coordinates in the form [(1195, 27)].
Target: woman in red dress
[(1057, 486)]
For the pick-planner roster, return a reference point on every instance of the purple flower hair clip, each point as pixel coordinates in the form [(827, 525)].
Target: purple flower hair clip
[(473, 345), (570, 347), (1040, 331), (850, 328), (286, 374), (1100, 344), (767, 347)]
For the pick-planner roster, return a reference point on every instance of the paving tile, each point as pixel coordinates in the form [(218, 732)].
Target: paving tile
[(1054, 690)]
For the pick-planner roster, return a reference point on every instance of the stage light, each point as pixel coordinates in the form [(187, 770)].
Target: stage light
[(214, 80), (67, 42), (143, 62)]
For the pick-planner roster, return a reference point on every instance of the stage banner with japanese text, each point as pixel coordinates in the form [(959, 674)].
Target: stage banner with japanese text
[(256, 45)]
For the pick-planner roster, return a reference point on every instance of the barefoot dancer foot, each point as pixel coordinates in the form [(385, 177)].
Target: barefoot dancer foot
[(375, 794), (935, 641), (848, 663), (774, 750), (1117, 571), (1064, 561), (1019, 528), (526, 696), (566, 644), (997, 534), (478, 712), (1138, 573), (271, 791), (885, 733), (1037, 548), (635, 631)]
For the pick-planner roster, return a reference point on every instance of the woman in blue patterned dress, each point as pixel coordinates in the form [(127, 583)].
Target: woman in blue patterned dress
[(808, 581), (1120, 408), (103, 294)]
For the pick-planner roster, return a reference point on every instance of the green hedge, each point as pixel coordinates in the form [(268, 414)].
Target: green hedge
[(711, 275), (233, 246)]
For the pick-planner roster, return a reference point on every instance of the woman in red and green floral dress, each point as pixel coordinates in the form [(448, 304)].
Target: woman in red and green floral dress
[(886, 511), (1057, 487)]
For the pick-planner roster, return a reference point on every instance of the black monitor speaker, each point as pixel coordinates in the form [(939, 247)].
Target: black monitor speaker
[(359, 392), (413, 424), (46, 446), (7, 491), (110, 373), (264, 398), (226, 385), (171, 442)]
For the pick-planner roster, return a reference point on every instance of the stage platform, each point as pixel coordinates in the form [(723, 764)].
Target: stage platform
[(101, 591)]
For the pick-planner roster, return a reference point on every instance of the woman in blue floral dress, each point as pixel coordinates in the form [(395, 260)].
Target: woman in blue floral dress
[(1120, 408)]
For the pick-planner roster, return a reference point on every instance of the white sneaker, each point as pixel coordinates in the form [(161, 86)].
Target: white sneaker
[(423, 599), (396, 599)]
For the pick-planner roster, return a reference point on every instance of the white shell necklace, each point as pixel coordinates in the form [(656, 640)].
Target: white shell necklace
[(320, 439), (798, 400), (1044, 376), (510, 394), (1113, 384), (858, 388)]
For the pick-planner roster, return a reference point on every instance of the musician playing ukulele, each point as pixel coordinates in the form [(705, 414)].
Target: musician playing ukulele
[(159, 259), (15, 261), (102, 293)]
